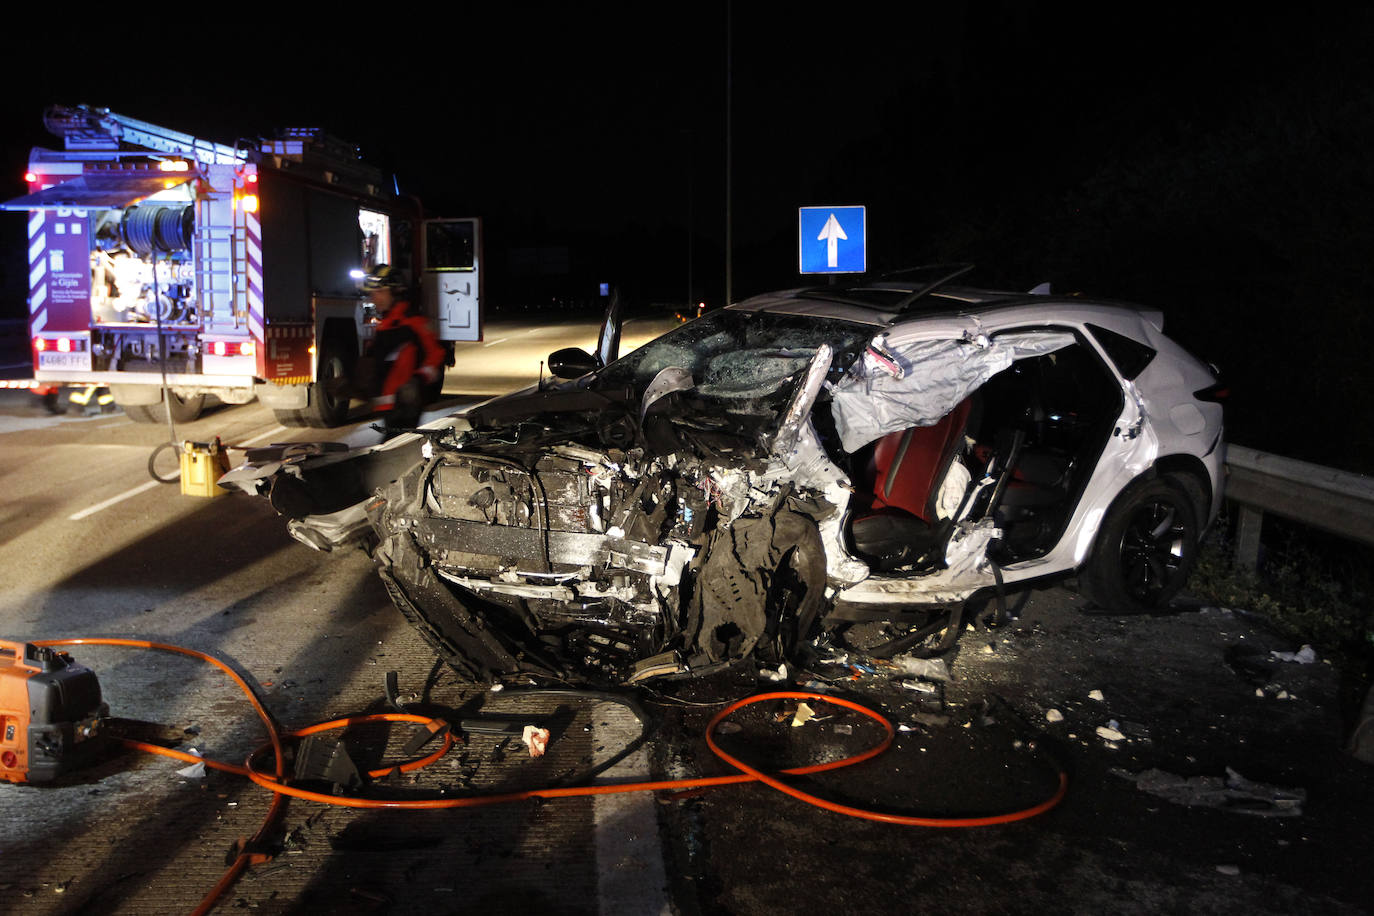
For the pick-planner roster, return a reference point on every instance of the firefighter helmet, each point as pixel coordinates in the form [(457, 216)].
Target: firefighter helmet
[(384, 276)]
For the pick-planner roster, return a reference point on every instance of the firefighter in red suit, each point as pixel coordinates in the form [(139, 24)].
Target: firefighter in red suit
[(407, 353)]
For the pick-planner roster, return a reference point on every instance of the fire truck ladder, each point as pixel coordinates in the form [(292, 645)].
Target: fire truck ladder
[(221, 264), (83, 127)]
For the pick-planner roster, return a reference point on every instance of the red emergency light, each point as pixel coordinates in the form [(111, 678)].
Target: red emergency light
[(60, 344), (232, 348)]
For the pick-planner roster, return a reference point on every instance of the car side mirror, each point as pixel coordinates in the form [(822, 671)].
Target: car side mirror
[(570, 362)]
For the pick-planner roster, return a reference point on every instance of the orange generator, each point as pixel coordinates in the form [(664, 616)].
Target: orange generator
[(50, 712)]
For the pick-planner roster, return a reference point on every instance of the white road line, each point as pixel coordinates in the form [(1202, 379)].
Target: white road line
[(496, 341), (631, 877), (112, 500), (267, 435)]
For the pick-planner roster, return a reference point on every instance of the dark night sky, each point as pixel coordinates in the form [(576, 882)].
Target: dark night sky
[(602, 126), (1211, 163)]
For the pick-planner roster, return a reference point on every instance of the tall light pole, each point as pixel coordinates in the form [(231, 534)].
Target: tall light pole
[(729, 150)]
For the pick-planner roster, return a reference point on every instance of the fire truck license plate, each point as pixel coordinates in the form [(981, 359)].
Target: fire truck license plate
[(78, 361)]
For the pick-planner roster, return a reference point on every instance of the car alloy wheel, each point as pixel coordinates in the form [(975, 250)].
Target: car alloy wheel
[(1145, 548)]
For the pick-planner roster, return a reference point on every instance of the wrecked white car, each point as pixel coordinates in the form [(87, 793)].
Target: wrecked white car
[(790, 464)]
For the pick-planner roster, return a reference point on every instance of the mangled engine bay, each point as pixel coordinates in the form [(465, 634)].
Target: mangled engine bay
[(593, 559), (681, 551)]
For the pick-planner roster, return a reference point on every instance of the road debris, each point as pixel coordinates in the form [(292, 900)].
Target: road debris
[(1053, 715), (195, 770), (536, 739), (1273, 691), (803, 715), (1110, 733), (936, 669), (1096, 695), (1232, 793), (1304, 656)]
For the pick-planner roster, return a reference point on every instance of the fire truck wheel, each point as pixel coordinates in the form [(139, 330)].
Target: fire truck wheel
[(329, 393), (183, 410), (55, 402)]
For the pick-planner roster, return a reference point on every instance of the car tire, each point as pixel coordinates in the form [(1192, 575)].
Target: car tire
[(1145, 548)]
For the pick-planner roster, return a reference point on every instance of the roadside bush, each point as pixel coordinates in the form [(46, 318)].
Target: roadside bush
[(1311, 587)]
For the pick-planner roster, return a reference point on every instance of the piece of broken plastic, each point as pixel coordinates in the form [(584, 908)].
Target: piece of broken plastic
[(778, 675)]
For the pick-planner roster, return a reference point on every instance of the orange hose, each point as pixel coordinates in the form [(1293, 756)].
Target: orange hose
[(866, 814), (277, 784), (278, 806)]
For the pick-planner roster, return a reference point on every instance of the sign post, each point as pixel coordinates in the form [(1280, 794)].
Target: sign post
[(832, 240)]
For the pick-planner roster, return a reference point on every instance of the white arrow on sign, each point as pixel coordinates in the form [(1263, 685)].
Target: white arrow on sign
[(831, 235)]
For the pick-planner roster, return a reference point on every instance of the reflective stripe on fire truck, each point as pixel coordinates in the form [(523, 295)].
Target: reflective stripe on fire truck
[(38, 267), (253, 241)]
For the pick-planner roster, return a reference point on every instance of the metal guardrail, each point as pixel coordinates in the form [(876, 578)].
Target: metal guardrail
[(1337, 502)]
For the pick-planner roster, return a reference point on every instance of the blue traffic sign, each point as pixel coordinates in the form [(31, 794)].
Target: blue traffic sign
[(832, 240)]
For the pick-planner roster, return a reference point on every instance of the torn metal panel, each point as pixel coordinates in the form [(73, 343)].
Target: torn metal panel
[(670, 379), (928, 379), (798, 410), (333, 530), (808, 467)]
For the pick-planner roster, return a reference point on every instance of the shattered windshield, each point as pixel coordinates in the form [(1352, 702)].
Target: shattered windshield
[(739, 355)]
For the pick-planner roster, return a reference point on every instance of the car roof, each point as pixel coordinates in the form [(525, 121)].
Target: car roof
[(884, 304)]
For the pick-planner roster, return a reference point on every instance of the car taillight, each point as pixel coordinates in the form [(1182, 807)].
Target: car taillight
[(1215, 393), (40, 344)]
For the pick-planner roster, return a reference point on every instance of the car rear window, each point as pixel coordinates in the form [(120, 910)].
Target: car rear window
[(1129, 356)]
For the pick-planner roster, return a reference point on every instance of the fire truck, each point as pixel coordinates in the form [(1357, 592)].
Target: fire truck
[(177, 270)]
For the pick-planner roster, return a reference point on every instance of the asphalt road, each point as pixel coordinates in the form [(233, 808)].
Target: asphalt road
[(91, 547)]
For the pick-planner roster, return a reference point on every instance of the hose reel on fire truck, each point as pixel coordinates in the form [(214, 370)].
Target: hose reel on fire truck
[(152, 229)]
